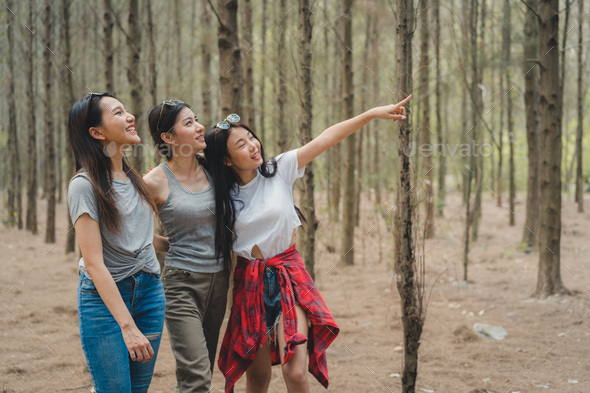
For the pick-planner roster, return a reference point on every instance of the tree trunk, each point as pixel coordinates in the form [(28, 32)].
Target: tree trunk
[(262, 102), (506, 32), (282, 65), (206, 96), (407, 277), (49, 129), (178, 33), (305, 102), (153, 72), (134, 73), (359, 152), (442, 168), (478, 136), (425, 128), (335, 153), (248, 61), (68, 101), (580, 129), (531, 98), (230, 62), (14, 184), (108, 47), (347, 246), (549, 274), (31, 222), (377, 143), (469, 214)]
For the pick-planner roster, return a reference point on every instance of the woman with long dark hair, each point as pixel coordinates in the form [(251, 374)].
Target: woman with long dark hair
[(273, 294), (120, 296), (196, 275)]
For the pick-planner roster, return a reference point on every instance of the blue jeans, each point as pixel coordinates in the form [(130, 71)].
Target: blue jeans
[(108, 359), (272, 297)]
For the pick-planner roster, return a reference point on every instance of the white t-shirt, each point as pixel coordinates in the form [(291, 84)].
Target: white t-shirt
[(267, 217)]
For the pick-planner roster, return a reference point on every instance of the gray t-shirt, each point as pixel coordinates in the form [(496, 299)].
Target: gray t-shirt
[(129, 251)]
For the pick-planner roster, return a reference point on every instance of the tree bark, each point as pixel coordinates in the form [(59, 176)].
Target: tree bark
[(506, 33), (442, 167), (134, 73), (335, 153), (580, 129), (425, 128), (68, 101), (206, 97), (153, 72), (367, 129), (407, 277), (49, 128), (31, 221), (230, 61), (549, 274), (178, 32), (14, 184), (108, 46), (248, 59), (282, 65), (262, 102), (305, 101), (347, 246), (531, 98), (478, 136)]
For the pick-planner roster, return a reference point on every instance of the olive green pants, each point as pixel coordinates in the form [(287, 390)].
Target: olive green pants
[(195, 307)]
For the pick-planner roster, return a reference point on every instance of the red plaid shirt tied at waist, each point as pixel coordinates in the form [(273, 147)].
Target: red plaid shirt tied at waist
[(246, 329)]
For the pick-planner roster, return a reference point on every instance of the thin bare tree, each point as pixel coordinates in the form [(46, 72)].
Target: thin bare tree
[(347, 252), (230, 58), (31, 221), (14, 184), (580, 129), (49, 126), (305, 126)]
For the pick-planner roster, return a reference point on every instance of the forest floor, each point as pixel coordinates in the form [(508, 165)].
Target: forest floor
[(546, 348)]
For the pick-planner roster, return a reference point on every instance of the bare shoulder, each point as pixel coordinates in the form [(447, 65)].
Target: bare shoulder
[(157, 184)]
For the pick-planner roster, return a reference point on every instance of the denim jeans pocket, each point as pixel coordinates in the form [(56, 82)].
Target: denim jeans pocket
[(87, 285)]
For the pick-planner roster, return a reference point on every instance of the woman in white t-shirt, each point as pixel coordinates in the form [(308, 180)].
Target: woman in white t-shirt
[(255, 213)]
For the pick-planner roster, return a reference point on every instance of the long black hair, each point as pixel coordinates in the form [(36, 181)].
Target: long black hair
[(224, 180), (92, 158)]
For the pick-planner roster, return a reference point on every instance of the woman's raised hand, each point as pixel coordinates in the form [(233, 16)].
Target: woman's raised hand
[(393, 112)]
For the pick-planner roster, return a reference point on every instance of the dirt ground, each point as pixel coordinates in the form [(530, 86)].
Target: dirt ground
[(546, 347)]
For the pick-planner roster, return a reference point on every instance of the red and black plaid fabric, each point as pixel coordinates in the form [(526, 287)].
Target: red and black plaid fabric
[(246, 329)]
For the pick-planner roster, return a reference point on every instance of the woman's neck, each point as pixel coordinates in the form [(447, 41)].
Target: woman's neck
[(184, 166), (246, 175), (117, 167)]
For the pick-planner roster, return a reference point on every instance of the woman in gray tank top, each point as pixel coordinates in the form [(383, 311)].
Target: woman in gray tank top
[(195, 276)]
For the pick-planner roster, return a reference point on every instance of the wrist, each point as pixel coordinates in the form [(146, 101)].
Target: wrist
[(126, 324)]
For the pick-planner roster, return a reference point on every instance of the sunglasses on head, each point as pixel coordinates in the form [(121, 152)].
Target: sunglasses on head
[(224, 125), (92, 94), (166, 103)]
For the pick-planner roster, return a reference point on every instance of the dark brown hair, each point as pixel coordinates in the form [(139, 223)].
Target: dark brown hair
[(92, 158)]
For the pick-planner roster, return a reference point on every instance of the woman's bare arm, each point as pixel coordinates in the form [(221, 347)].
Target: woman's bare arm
[(88, 232)]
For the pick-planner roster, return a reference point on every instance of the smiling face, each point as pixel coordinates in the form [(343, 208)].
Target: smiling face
[(187, 132), (118, 125), (244, 150)]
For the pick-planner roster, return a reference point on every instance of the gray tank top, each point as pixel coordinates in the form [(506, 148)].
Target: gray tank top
[(189, 220)]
